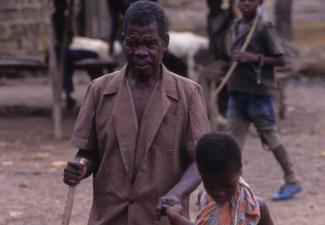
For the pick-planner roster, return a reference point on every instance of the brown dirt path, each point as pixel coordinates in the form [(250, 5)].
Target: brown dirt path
[(32, 191)]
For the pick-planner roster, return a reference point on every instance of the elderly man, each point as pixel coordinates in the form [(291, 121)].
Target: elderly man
[(137, 129)]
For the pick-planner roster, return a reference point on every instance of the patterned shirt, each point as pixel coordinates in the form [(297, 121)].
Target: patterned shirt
[(242, 209)]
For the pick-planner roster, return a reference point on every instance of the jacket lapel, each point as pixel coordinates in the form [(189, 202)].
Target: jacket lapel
[(155, 111), (126, 124)]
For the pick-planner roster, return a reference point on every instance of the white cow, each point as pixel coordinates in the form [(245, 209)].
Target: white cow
[(185, 45), (96, 45)]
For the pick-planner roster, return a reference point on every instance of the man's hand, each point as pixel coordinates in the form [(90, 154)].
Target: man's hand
[(75, 171), (166, 201), (244, 57)]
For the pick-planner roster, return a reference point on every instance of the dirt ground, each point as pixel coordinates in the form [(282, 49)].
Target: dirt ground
[(31, 161), (32, 192)]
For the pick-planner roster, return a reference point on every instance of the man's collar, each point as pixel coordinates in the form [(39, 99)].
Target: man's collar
[(168, 82)]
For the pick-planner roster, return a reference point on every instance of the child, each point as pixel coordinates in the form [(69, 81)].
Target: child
[(251, 87), (226, 198)]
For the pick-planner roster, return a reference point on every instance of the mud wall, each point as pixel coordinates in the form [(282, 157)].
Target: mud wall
[(20, 22), (20, 26)]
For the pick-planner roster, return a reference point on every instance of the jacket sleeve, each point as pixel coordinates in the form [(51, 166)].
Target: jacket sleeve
[(198, 120), (84, 133)]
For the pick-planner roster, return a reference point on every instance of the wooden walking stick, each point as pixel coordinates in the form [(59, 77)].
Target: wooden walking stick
[(214, 92), (68, 205), (243, 48)]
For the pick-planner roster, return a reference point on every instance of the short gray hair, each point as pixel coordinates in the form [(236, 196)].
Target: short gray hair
[(144, 12)]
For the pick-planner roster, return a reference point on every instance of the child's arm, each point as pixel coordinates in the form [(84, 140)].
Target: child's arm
[(248, 57), (174, 215), (265, 214)]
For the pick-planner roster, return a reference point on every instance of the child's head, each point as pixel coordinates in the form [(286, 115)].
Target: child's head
[(249, 7), (218, 158)]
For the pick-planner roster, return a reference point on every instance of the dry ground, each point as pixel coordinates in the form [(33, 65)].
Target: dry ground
[(32, 192)]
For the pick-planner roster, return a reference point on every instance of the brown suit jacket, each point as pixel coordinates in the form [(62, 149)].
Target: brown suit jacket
[(138, 163)]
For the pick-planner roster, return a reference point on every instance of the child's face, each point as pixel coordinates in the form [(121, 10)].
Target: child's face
[(222, 186), (248, 7)]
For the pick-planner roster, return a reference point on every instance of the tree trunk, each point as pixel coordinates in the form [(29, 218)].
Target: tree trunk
[(283, 18), (97, 19), (54, 73)]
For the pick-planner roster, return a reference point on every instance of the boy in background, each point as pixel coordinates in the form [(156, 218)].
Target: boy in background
[(251, 88)]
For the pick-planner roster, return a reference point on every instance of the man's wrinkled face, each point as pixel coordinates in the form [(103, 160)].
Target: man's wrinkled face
[(144, 49), (248, 7)]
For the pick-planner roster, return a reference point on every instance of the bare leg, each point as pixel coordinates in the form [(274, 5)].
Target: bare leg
[(281, 155)]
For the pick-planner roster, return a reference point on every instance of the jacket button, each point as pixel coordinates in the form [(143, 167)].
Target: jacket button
[(131, 201)]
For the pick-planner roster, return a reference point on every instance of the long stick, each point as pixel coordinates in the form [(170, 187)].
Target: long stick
[(68, 205), (243, 48)]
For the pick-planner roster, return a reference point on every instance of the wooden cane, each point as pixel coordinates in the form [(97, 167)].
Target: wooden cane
[(68, 205), (243, 48)]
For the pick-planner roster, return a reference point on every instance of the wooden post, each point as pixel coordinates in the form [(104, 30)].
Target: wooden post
[(56, 69), (283, 18), (53, 71)]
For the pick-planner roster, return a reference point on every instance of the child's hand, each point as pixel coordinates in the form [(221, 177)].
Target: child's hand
[(167, 200), (245, 57), (174, 214), (173, 211)]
